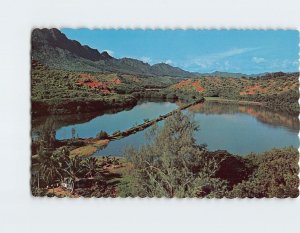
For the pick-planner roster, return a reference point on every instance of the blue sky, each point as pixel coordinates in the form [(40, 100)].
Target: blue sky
[(245, 51)]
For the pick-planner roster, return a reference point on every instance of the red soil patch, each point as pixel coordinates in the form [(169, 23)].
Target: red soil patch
[(251, 90), (116, 81), (183, 84), (90, 81), (197, 86), (190, 84)]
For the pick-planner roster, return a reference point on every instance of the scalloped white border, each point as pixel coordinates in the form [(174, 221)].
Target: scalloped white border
[(19, 212)]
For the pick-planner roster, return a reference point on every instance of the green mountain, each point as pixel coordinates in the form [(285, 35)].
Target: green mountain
[(52, 48)]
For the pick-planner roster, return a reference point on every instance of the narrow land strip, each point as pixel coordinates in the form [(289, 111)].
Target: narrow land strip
[(93, 144), (222, 100)]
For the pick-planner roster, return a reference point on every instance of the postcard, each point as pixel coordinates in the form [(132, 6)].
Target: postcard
[(164, 113)]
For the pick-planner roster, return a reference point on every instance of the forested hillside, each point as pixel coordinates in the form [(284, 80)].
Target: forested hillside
[(276, 90)]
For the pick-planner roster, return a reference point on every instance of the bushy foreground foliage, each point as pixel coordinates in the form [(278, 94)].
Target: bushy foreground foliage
[(172, 165), (55, 168), (275, 175)]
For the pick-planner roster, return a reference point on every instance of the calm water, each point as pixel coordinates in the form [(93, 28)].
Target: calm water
[(237, 129)]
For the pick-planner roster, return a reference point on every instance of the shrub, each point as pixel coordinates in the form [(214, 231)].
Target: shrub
[(171, 165), (102, 135), (276, 175)]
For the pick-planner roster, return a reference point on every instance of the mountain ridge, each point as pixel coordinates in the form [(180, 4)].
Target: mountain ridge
[(54, 49), (51, 47)]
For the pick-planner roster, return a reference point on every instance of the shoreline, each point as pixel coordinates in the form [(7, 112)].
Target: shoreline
[(91, 145), (271, 107), (229, 101)]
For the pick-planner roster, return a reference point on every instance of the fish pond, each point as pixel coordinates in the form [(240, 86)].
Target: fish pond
[(239, 129)]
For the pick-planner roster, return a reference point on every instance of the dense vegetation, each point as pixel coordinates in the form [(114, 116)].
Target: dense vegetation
[(53, 167), (86, 175), (65, 92), (61, 92), (276, 90)]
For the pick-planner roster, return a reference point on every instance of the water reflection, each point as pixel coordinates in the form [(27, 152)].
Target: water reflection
[(240, 129), (262, 114), (59, 121)]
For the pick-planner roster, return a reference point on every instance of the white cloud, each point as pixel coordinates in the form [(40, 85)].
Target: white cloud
[(273, 65), (227, 65), (258, 60), (283, 64), (169, 62), (146, 59), (110, 52), (232, 52), (209, 60)]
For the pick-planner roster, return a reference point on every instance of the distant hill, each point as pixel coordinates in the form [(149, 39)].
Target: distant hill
[(52, 48), (228, 74)]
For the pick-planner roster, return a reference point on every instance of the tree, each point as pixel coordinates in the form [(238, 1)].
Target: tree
[(49, 171), (91, 167), (73, 133), (102, 135), (172, 164)]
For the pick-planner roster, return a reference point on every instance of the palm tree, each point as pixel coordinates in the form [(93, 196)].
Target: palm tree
[(49, 171), (91, 166), (73, 168)]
